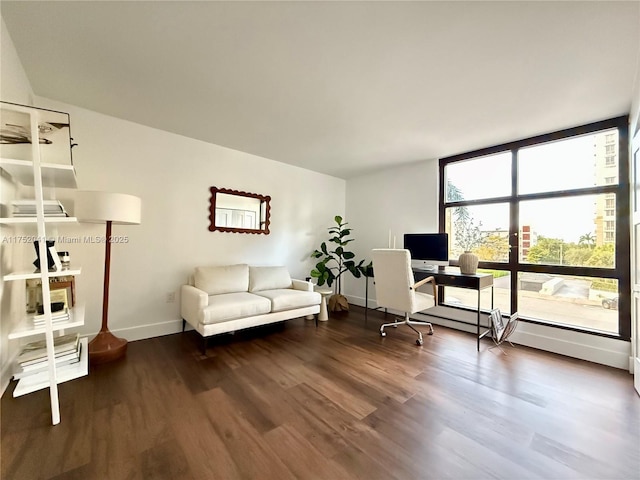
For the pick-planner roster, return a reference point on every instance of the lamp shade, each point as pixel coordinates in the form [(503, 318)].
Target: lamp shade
[(100, 207)]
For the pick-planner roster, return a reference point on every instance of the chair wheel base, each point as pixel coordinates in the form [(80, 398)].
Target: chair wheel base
[(419, 342), (383, 334)]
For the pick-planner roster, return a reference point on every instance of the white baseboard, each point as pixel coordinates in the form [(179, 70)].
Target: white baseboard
[(5, 375), (593, 348), (143, 332), (602, 350)]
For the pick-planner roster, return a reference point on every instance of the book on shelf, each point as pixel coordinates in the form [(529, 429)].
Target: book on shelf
[(55, 322), (59, 357), (35, 352), (68, 359), (62, 316), (27, 208)]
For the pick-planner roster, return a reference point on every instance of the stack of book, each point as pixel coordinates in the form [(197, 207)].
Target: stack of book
[(27, 208), (61, 316), (33, 357)]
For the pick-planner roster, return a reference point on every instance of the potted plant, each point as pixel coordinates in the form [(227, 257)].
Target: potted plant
[(335, 262)]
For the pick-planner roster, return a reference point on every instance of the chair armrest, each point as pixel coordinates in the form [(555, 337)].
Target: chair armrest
[(433, 282), (192, 302), (301, 285)]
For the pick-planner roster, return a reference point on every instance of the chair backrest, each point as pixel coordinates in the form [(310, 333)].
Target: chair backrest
[(393, 279)]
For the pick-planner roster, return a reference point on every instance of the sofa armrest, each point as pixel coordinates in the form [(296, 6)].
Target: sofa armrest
[(192, 302), (301, 285)]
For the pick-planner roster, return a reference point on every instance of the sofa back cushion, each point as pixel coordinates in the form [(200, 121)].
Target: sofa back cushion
[(225, 279), (268, 278)]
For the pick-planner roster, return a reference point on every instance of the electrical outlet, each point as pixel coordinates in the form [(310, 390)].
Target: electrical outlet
[(171, 297)]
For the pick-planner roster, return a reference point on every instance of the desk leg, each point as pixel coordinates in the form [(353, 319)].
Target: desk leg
[(478, 325), (366, 300)]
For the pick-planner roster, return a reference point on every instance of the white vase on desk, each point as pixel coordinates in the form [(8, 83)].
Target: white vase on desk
[(468, 263)]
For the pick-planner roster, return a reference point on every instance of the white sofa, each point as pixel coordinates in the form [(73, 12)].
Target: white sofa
[(233, 297)]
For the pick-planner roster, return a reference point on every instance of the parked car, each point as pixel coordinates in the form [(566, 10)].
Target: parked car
[(610, 303)]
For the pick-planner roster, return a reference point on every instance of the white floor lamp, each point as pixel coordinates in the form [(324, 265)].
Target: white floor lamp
[(109, 208)]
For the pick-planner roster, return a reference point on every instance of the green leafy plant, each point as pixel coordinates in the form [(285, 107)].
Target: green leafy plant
[(338, 260)]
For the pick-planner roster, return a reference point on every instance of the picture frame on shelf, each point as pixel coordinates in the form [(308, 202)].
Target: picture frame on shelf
[(60, 295), (34, 291)]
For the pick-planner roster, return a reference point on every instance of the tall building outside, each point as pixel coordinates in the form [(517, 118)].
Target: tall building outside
[(606, 173)]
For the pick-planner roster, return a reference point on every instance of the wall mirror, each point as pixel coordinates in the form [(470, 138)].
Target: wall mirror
[(239, 212)]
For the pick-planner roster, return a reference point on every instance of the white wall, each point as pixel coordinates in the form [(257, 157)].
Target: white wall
[(14, 84), (172, 175), (15, 88), (634, 117), (401, 200), (634, 129)]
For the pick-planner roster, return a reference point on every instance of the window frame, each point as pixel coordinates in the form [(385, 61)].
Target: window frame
[(620, 192)]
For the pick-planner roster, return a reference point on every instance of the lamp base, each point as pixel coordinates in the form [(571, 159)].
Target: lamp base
[(106, 347)]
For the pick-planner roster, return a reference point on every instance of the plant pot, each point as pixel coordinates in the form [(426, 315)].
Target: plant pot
[(468, 263), (338, 303)]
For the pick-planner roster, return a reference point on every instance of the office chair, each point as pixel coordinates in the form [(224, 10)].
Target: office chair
[(396, 288)]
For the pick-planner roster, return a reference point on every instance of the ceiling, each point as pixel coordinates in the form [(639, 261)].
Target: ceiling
[(342, 88)]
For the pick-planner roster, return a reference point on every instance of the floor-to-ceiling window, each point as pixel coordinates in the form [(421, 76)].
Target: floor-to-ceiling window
[(549, 218)]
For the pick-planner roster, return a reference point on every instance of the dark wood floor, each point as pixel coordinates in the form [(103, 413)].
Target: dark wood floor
[(332, 402)]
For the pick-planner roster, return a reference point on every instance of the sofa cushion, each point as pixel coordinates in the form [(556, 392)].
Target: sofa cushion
[(231, 306), (268, 278), (282, 299), (226, 279)]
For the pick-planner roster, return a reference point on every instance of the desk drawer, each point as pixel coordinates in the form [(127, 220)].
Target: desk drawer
[(466, 281)]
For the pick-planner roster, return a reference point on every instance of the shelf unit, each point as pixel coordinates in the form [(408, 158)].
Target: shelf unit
[(34, 221), (31, 275), (25, 327), (40, 380), (53, 174), (40, 174)]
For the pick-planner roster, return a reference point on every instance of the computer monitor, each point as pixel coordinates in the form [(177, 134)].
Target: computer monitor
[(428, 250)]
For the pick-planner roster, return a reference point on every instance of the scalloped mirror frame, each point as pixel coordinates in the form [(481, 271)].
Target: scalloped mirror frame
[(266, 199)]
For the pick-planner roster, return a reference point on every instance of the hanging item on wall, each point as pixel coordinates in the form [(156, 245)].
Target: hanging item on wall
[(238, 212)]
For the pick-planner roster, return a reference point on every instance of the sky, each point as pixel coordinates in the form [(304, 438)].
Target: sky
[(554, 166)]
